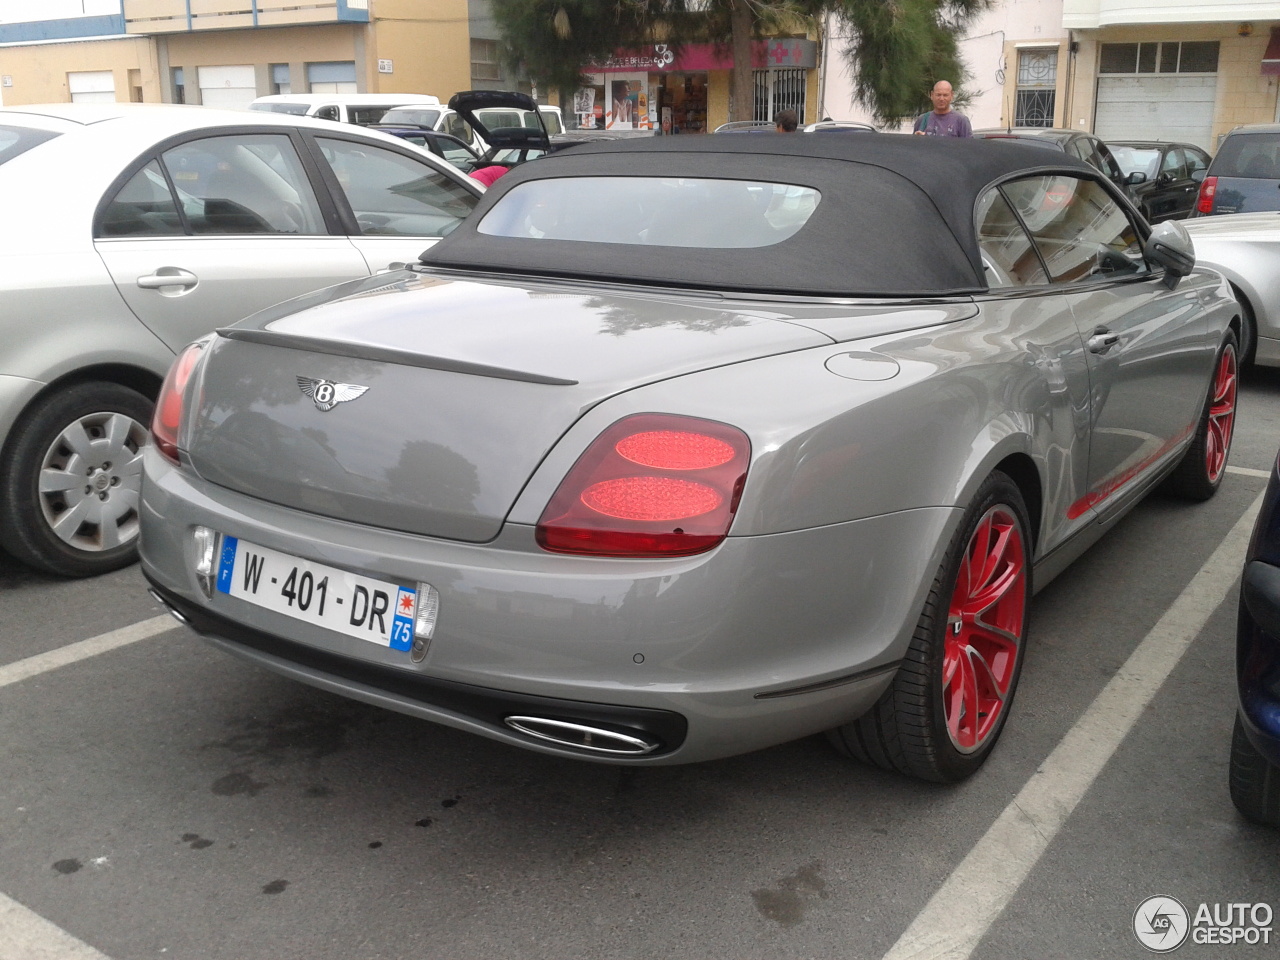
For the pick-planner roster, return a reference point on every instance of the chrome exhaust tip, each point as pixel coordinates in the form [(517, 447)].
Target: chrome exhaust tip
[(168, 609), (583, 737)]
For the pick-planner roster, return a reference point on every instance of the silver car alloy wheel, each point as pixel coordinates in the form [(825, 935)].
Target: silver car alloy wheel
[(90, 479)]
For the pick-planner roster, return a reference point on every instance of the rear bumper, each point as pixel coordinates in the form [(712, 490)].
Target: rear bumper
[(760, 641)]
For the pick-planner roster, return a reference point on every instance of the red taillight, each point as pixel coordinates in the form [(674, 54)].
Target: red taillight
[(168, 415), (651, 485), (1204, 203)]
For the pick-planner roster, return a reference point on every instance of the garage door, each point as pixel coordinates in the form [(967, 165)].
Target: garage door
[(1156, 108), (232, 88)]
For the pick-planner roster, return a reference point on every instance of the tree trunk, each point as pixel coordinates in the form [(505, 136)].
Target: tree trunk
[(744, 93)]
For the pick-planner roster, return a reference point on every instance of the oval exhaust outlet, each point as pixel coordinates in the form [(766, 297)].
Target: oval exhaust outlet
[(583, 737)]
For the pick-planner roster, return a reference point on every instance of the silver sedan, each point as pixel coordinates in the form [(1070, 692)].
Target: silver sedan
[(1245, 248), (682, 448), (133, 229)]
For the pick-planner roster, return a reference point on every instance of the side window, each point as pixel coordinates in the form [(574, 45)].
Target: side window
[(1008, 257), (328, 113), (1105, 161), (1197, 163), (366, 115), (455, 125), (143, 207), (250, 184), (1174, 165), (1083, 235), (1080, 148), (393, 195)]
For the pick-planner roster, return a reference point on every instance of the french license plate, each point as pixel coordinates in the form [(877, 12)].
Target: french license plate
[(362, 607)]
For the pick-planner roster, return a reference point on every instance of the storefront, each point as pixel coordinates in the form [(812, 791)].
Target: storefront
[(688, 90)]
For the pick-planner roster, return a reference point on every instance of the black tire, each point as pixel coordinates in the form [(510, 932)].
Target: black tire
[(1199, 474), (1254, 781), (908, 729), (77, 531)]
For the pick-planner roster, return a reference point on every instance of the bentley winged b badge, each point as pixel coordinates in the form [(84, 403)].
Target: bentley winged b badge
[(328, 394)]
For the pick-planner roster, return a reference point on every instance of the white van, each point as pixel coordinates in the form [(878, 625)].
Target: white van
[(449, 121), (360, 108)]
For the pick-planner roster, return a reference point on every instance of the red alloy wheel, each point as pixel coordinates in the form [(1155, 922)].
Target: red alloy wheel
[(984, 630), (1222, 416)]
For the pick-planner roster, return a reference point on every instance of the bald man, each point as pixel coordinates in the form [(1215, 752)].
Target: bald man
[(942, 121)]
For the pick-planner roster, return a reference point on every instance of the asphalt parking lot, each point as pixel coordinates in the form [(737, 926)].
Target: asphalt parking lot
[(161, 799)]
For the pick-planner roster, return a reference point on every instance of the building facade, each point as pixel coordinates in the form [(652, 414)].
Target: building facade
[(228, 52), (1123, 69), (1179, 70)]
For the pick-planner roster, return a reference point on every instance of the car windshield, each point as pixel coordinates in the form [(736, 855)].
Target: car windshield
[(16, 140), (651, 211), (415, 117), (1249, 155), (293, 109), (1137, 159)]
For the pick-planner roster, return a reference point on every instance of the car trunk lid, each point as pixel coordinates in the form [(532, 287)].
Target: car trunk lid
[(467, 386)]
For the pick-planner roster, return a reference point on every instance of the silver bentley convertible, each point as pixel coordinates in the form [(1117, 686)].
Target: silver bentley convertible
[(684, 448)]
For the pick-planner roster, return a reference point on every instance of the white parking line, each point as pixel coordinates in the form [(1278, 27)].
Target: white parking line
[(25, 935), (1246, 472), (28, 936), (74, 652), (964, 907)]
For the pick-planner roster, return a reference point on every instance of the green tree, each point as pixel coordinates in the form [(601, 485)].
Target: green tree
[(899, 47)]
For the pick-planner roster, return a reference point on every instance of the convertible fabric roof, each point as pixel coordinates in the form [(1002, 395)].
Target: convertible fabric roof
[(895, 218)]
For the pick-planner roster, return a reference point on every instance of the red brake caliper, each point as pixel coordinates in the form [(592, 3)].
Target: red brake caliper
[(1222, 416), (984, 629)]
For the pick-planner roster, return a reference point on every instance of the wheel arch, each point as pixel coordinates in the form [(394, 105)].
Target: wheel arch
[(138, 379), (1021, 469)]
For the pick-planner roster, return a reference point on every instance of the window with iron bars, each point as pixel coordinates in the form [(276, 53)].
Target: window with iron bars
[(779, 90), (485, 60), (1036, 94)]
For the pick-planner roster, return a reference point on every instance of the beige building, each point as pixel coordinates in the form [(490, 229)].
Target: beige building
[(1177, 70), (1186, 70), (228, 52)]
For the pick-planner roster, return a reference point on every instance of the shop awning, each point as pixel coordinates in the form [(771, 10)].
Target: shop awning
[(1271, 59)]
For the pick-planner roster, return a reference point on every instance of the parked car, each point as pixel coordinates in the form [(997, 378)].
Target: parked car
[(1164, 178), (508, 109), (821, 126), (1076, 143), (1255, 741), (1244, 176), (1245, 248), (684, 447), (186, 218), (358, 108), (445, 146)]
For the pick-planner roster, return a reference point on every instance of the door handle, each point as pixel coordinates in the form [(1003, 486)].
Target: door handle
[(176, 277), (1102, 340)]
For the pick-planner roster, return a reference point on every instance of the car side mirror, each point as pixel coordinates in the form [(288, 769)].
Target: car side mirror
[(1198, 175), (1136, 178), (1170, 246)]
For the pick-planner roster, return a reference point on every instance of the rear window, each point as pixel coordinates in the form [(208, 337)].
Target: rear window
[(417, 118), (653, 211), (1137, 160), (293, 109), (1249, 155), (16, 140)]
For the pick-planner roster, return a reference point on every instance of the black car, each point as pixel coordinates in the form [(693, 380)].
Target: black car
[(1076, 143), (1255, 743), (1244, 176), (1163, 177), (443, 145)]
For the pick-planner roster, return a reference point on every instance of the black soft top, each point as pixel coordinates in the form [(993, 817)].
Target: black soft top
[(895, 218)]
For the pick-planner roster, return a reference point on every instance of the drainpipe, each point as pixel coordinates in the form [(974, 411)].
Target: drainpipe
[(1069, 107), (823, 35)]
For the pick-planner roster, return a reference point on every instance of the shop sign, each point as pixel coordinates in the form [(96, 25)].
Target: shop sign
[(701, 57)]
